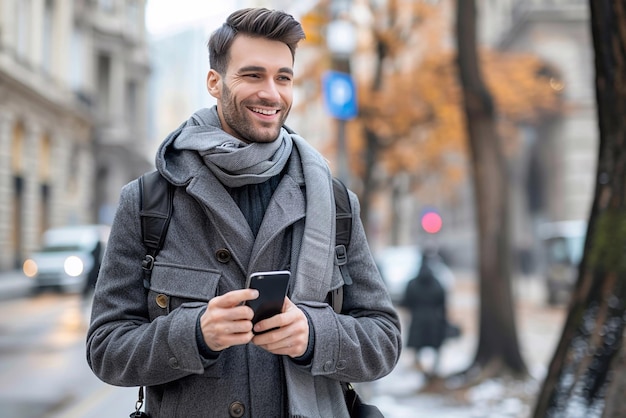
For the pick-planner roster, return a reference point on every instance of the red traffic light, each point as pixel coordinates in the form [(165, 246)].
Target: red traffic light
[(431, 222)]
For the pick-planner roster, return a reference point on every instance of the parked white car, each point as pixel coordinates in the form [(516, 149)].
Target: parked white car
[(399, 264), (65, 258), (563, 244)]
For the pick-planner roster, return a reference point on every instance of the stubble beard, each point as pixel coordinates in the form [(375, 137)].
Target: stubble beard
[(235, 116)]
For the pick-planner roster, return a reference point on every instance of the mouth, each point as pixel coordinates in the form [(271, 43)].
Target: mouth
[(264, 112)]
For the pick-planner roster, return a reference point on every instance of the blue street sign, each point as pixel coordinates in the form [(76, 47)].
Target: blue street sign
[(340, 95)]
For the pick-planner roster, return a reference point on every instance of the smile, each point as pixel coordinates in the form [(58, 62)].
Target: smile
[(266, 112)]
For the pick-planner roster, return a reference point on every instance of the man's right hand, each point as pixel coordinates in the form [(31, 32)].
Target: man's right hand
[(227, 321)]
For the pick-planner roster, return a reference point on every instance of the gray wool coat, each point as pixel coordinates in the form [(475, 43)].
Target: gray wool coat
[(148, 337)]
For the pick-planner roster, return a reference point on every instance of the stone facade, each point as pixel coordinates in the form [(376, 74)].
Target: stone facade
[(559, 32), (72, 114), (553, 171), (556, 169)]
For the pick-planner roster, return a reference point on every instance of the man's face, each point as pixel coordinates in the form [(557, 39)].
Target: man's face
[(255, 95)]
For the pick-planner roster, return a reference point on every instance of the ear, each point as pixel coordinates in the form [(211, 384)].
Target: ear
[(213, 82)]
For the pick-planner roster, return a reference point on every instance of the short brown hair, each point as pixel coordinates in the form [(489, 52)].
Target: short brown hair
[(256, 22)]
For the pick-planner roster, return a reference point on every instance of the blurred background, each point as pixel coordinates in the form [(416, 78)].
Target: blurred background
[(89, 89)]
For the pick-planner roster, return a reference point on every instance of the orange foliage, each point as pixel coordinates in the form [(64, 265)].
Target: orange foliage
[(417, 111), (521, 85)]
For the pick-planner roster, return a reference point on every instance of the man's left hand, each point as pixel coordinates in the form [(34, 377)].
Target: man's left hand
[(291, 336)]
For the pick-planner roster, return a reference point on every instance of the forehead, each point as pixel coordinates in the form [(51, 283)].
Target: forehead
[(248, 51)]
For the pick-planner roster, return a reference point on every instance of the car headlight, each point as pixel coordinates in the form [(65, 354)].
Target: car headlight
[(29, 268), (73, 266)]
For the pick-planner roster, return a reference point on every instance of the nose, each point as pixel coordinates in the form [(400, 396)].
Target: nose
[(269, 91)]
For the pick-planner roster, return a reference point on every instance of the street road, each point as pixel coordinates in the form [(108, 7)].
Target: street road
[(43, 370)]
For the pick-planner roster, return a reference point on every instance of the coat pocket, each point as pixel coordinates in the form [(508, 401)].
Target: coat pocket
[(173, 285)]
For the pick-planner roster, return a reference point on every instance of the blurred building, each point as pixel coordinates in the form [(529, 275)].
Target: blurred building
[(553, 169), (72, 116), (177, 86), (553, 175)]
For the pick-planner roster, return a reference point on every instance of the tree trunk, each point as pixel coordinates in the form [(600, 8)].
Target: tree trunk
[(371, 155), (588, 370), (372, 141), (498, 348)]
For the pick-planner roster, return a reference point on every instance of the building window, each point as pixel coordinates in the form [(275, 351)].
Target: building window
[(77, 56), (44, 208), (107, 6), (17, 149), (73, 167), (44, 158), (131, 103), (132, 11), (104, 84), (23, 29), (48, 36), (17, 200), (44, 163), (133, 17)]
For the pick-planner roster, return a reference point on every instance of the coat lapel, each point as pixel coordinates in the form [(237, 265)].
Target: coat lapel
[(224, 213), (285, 208)]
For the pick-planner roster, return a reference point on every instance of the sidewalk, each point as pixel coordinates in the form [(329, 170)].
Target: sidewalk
[(14, 284), (401, 394)]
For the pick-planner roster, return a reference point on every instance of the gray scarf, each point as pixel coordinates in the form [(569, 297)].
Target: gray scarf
[(231, 160), (236, 163)]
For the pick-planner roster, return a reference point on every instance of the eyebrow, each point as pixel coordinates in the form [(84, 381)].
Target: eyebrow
[(256, 68)]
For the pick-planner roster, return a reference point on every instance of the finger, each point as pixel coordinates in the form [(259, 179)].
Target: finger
[(222, 341), (278, 320), (278, 342), (288, 304), (291, 339), (223, 334), (234, 298), (216, 314), (231, 327)]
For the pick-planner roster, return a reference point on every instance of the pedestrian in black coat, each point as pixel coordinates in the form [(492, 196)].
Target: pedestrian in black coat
[(425, 298)]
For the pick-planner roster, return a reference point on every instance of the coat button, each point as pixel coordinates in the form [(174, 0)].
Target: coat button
[(236, 409), (328, 366), (162, 300), (223, 255), (173, 362), (341, 364)]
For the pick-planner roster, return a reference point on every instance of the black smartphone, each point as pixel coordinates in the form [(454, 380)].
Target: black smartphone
[(272, 287)]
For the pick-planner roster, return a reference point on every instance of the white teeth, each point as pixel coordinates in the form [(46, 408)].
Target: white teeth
[(265, 112)]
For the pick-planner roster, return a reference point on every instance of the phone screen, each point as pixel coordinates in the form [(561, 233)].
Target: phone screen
[(272, 287)]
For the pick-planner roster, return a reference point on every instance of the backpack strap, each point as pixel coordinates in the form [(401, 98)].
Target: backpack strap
[(343, 234), (155, 210)]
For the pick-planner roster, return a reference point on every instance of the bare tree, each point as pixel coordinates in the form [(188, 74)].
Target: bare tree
[(498, 348), (588, 370)]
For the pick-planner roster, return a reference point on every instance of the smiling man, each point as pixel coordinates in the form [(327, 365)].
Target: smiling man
[(254, 91), (250, 196)]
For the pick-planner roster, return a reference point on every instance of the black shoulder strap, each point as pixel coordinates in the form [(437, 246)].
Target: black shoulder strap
[(155, 210), (343, 234), (343, 213)]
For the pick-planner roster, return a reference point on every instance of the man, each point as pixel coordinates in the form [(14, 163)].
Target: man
[(249, 197)]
